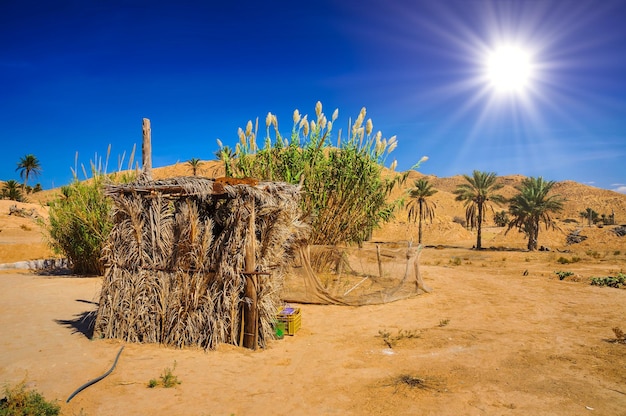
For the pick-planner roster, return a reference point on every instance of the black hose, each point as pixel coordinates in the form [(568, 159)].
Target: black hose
[(95, 380)]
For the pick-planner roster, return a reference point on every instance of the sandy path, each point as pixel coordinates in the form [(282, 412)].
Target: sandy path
[(513, 344)]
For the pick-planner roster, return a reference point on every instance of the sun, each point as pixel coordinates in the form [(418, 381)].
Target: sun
[(509, 69)]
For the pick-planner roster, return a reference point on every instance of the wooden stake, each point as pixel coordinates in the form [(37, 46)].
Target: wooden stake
[(146, 149), (251, 314), (380, 265)]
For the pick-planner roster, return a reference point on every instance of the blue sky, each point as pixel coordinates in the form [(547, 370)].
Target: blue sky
[(79, 75)]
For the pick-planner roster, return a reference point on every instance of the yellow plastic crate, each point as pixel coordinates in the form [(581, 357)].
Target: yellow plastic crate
[(291, 317)]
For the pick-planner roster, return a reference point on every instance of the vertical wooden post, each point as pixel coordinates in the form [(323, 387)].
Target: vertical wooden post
[(251, 314), (380, 265), (146, 149)]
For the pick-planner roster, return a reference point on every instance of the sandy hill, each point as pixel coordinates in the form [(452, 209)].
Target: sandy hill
[(443, 230)]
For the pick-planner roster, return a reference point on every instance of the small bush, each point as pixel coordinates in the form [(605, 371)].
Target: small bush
[(610, 281), (22, 402), (25, 227), (412, 381), (167, 379), (455, 261), (594, 254), (617, 253), (444, 322), (562, 275), (564, 260), (501, 219), (391, 340)]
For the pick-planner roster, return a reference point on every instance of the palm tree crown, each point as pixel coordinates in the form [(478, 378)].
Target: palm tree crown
[(11, 190), (532, 206), (479, 190), (28, 166), (194, 163), (419, 207)]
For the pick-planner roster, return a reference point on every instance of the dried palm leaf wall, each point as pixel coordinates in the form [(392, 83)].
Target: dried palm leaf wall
[(175, 259)]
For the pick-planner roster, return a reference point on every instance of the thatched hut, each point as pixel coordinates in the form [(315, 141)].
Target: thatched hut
[(193, 261)]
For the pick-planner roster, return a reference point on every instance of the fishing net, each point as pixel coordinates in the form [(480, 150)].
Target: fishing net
[(371, 274)]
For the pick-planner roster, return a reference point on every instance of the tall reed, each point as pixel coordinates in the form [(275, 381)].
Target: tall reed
[(344, 194)]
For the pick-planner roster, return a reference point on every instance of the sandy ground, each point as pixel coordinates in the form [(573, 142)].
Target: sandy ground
[(500, 334), (489, 341)]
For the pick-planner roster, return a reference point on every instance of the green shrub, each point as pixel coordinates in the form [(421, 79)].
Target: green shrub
[(501, 219), (562, 275), (22, 402), (80, 219), (167, 379), (611, 281), (345, 195), (79, 223)]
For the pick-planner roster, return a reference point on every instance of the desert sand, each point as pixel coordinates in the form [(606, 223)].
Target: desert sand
[(500, 334)]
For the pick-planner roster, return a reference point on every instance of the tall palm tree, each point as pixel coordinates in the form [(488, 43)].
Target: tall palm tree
[(28, 166), (419, 207), (479, 190), (532, 206), (194, 163)]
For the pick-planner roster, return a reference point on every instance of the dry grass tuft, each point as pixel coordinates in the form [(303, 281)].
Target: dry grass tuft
[(620, 336)]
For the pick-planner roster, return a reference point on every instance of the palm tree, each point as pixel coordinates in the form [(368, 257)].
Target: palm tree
[(226, 155), (477, 192), (11, 190), (590, 215), (194, 163), (533, 206), (27, 166), (419, 208)]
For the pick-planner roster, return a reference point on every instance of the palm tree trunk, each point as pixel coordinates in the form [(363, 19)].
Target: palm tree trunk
[(533, 236), (479, 226), (419, 235)]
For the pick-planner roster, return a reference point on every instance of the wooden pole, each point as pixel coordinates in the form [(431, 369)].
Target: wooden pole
[(380, 266), (251, 314), (146, 149)]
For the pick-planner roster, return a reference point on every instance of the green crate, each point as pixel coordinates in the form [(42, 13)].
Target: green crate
[(291, 317)]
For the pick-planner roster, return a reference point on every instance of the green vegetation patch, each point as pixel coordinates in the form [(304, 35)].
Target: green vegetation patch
[(19, 401), (610, 281)]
